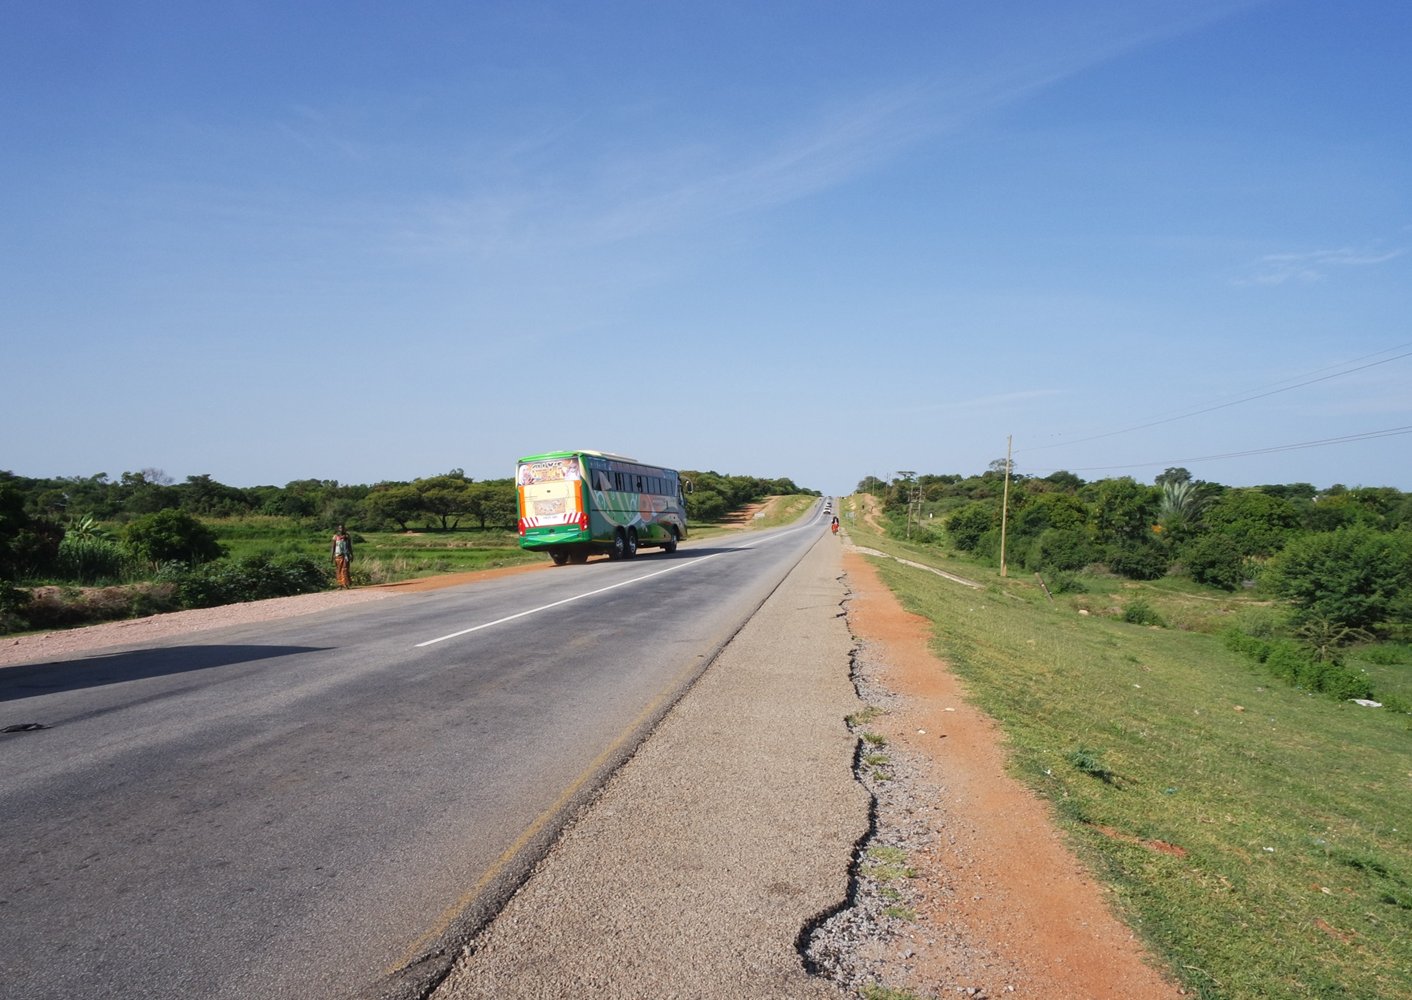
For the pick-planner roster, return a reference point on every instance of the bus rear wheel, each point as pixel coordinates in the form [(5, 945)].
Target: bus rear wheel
[(578, 557), (560, 558), (620, 545), (632, 544)]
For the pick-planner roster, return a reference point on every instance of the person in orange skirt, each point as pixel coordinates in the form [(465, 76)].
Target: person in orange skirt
[(343, 558)]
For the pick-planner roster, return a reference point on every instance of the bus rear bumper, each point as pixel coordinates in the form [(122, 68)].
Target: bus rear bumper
[(539, 539)]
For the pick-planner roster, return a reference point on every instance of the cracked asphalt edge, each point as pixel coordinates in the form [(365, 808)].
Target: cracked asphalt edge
[(733, 828)]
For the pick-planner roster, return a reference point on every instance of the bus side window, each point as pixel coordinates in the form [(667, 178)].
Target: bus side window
[(639, 484), (618, 481), (600, 480)]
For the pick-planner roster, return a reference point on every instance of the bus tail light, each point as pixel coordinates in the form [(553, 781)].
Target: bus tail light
[(583, 520), (521, 526)]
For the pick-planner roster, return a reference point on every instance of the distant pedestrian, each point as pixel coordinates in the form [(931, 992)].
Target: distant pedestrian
[(343, 558)]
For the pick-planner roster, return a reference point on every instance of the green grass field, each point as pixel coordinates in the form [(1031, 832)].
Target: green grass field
[(387, 557), (379, 557), (1292, 812)]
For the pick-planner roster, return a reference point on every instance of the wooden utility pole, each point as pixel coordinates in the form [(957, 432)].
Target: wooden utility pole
[(1005, 502)]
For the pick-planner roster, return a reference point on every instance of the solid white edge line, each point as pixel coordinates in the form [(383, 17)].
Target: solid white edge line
[(567, 600)]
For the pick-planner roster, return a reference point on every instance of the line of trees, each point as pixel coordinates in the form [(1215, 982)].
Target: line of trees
[(713, 495), (1340, 555), (439, 501), (154, 536), (79, 528)]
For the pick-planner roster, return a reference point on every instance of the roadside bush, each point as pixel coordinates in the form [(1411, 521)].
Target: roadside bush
[(13, 605), (1060, 548), (1395, 704), (171, 536), (1354, 576), (1216, 561), (90, 560), (1262, 622), (924, 534), (1254, 521), (1288, 661), (987, 550), (706, 505), (1066, 583), (1139, 612), (30, 552), (1137, 560), (1387, 656), (252, 578), (1253, 647), (968, 524)]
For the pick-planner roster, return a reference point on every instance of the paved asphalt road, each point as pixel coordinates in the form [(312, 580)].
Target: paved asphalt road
[(698, 870), (325, 806)]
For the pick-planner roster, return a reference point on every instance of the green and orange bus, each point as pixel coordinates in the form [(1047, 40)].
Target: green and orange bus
[(576, 503)]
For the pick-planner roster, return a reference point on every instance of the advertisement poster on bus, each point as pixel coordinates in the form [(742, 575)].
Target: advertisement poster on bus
[(549, 470)]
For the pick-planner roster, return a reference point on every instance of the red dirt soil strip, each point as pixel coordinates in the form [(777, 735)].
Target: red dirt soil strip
[(456, 579), (738, 520), (1005, 883), (1160, 846)]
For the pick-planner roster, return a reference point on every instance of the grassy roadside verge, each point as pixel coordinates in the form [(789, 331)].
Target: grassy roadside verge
[(1257, 837), (379, 556), (392, 556)]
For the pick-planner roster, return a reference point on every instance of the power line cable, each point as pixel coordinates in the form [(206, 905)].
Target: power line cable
[(1235, 402), (1324, 442)]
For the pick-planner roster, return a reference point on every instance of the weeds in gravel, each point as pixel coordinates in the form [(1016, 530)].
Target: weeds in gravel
[(888, 864), (879, 762), (880, 992), (863, 716)]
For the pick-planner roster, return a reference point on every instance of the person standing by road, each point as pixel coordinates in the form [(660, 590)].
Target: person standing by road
[(343, 558)]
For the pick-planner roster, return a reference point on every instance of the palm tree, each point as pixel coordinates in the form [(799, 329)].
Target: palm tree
[(85, 528), (1180, 507)]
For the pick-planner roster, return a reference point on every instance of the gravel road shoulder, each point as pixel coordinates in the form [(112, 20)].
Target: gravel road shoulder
[(730, 829)]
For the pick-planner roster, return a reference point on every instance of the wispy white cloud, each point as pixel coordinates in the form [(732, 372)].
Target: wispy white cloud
[(316, 132), (676, 185), (1311, 266)]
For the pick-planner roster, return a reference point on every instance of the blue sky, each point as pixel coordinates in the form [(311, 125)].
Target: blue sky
[(822, 240)]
